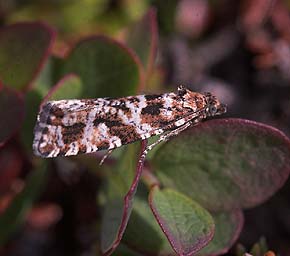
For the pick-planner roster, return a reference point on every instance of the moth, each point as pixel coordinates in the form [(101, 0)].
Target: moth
[(71, 127)]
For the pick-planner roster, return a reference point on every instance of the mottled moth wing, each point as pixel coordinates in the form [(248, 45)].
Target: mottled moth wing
[(61, 126), (69, 127)]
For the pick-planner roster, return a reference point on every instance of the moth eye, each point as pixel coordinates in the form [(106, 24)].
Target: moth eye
[(213, 110)]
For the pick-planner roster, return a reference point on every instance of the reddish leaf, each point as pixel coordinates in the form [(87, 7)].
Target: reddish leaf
[(24, 48), (11, 114)]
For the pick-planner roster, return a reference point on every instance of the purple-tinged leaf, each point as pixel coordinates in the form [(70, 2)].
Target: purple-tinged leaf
[(144, 235), (225, 164), (24, 48), (143, 38), (120, 191), (187, 225), (228, 226), (106, 68), (11, 114)]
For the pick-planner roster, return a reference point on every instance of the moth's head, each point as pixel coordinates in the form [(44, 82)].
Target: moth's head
[(206, 103), (213, 105)]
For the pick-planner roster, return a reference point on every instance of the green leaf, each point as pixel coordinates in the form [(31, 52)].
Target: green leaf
[(260, 248), (226, 163), (187, 225), (32, 103), (228, 226), (11, 114), (105, 67), (69, 87), (14, 216), (123, 250), (143, 232), (240, 250), (166, 15), (120, 189), (45, 79), (24, 48)]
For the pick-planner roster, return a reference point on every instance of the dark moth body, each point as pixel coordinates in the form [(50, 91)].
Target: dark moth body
[(70, 127)]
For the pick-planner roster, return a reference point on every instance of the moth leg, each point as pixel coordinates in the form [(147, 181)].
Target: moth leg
[(105, 156), (166, 136)]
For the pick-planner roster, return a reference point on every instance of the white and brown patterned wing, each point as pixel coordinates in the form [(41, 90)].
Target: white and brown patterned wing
[(66, 127), (70, 127)]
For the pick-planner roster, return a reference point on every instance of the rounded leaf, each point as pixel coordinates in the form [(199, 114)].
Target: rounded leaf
[(105, 66), (24, 47), (226, 163), (187, 225)]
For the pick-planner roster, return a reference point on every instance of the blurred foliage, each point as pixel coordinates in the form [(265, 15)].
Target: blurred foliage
[(72, 16), (260, 248)]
